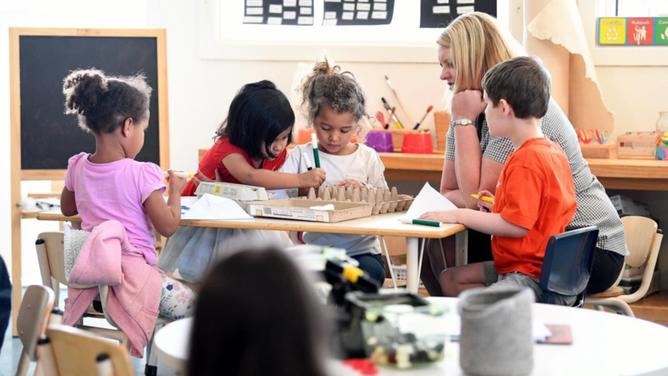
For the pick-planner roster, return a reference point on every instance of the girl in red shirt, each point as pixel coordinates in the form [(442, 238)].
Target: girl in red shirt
[(250, 144), (249, 148)]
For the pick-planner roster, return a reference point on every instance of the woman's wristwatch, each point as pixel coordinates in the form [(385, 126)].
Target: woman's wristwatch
[(461, 122)]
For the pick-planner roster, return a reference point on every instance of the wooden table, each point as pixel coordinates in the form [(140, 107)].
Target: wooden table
[(379, 225), (603, 344), (633, 174)]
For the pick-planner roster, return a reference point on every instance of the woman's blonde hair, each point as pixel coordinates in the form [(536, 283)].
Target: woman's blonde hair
[(477, 44)]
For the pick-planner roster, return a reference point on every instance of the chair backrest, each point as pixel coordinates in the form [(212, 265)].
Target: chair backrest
[(639, 233), (31, 322), (51, 258), (75, 352), (567, 264)]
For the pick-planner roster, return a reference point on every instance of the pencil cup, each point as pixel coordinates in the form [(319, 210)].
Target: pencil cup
[(418, 142), (496, 329), (380, 141)]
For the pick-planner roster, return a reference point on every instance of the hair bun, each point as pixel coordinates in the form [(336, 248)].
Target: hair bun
[(83, 89)]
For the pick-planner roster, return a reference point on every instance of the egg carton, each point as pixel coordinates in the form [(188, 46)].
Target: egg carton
[(383, 200)]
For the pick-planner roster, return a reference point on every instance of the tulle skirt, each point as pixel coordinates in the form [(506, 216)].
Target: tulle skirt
[(191, 251)]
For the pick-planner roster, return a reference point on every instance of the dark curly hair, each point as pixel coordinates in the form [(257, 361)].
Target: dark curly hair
[(102, 102), (258, 114), (327, 85)]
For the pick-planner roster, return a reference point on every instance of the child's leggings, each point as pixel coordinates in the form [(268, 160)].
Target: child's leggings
[(176, 300)]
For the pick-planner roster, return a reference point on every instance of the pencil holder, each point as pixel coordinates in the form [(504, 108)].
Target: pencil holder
[(418, 143), (496, 336), (380, 141)]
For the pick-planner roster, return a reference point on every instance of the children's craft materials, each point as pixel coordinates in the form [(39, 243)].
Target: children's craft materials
[(380, 141), (417, 125), (302, 209), (182, 174), (637, 145), (396, 96), (487, 199), (237, 192), (383, 200), (215, 207), (417, 143), (381, 118), (428, 199), (307, 160), (389, 109), (423, 222), (316, 152)]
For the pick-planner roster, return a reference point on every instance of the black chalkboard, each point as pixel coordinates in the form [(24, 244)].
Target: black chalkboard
[(48, 136)]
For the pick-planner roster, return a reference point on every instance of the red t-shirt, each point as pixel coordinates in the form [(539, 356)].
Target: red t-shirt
[(536, 192), (213, 160)]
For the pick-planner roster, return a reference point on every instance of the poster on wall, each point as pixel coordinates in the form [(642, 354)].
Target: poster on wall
[(357, 12), (279, 12), (439, 13)]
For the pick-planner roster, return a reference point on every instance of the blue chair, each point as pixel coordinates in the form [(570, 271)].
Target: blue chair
[(567, 265)]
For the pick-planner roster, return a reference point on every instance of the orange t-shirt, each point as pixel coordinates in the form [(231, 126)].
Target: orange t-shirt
[(213, 160), (535, 191)]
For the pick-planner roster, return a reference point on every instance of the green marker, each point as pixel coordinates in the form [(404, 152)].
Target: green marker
[(316, 152), (423, 222)]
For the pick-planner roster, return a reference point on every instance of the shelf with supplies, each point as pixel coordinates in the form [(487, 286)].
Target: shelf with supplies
[(632, 174)]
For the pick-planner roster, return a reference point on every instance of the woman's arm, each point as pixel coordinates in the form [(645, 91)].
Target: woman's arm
[(237, 165), (68, 205)]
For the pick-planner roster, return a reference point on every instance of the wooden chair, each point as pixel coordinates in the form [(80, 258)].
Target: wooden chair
[(75, 352), (51, 258), (31, 323), (643, 240), (567, 265)]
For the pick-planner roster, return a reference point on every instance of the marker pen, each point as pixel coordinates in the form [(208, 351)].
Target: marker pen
[(423, 222), (483, 198), (316, 152), (309, 165)]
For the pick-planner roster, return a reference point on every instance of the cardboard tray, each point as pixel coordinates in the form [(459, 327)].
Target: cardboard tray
[(300, 209)]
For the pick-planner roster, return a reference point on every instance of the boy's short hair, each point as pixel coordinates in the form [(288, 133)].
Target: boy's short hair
[(523, 82)]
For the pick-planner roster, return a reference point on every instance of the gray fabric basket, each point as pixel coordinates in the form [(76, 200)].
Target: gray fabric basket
[(496, 337)]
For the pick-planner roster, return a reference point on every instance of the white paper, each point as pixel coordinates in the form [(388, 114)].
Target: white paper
[(428, 199), (215, 207)]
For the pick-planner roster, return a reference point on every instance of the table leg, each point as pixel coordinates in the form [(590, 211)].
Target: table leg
[(412, 272), (461, 247)]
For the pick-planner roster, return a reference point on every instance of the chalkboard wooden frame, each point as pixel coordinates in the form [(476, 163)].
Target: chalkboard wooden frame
[(15, 74)]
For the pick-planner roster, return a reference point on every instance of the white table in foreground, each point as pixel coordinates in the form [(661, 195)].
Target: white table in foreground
[(379, 225), (603, 344)]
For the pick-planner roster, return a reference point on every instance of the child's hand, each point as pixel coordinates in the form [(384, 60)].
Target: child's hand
[(445, 216), (484, 204), (351, 183), (175, 182), (313, 178)]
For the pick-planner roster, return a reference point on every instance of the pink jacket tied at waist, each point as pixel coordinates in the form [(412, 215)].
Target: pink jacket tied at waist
[(107, 258)]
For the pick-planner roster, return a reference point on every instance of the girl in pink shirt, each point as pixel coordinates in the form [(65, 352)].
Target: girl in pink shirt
[(109, 184)]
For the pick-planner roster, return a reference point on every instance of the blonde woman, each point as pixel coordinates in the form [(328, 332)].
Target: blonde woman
[(471, 45)]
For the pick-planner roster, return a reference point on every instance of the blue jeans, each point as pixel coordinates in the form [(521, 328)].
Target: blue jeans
[(373, 265)]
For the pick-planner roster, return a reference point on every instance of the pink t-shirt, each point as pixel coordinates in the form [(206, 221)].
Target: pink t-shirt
[(115, 190)]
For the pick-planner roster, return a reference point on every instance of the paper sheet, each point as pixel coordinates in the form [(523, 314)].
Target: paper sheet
[(556, 35), (429, 199), (215, 207)]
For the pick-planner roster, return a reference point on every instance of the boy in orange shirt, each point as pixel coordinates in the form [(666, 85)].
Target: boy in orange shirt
[(535, 195)]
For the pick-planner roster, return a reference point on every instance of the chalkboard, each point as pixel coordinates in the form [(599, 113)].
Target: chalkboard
[(48, 137)]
